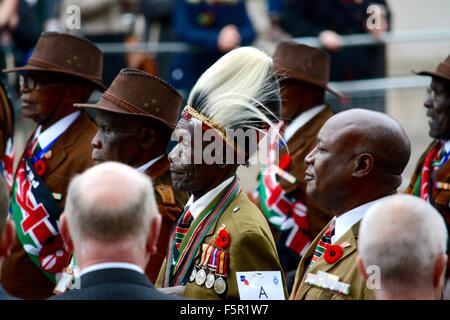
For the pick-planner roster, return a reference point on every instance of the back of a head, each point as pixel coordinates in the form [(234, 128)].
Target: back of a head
[(4, 203), (403, 236), (110, 202)]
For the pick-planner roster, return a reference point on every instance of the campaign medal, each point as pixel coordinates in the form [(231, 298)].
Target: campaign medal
[(220, 285), (211, 278), (200, 278), (193, 274)]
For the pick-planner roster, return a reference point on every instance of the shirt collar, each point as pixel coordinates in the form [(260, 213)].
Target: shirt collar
[(447, 146), (144, 167), (345, 221), (55, 129), (112, 265), (199, 205), (301, 120)]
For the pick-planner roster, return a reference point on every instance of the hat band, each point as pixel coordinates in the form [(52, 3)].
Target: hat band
[(444, 68), (53, 67), (207, 123), (122, 103)]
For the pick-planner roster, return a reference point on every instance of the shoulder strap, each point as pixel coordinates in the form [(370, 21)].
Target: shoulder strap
[(166, 193)]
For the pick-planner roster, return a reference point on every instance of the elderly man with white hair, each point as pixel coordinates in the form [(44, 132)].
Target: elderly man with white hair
[(111, 224), (402, 245)]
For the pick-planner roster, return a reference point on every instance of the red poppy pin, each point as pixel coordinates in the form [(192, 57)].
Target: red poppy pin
[(40, 167), (223, 239), (333, 254)]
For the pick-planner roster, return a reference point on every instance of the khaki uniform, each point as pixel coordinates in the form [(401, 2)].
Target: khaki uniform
[(170, 204), (251, 248), (345, 268), (71, 155)]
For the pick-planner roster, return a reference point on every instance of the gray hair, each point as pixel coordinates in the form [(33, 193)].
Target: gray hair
[(4, 203), (110, 202), (404, 236)]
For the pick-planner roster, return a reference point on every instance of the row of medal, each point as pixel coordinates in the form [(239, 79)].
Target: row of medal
[(215, 261)]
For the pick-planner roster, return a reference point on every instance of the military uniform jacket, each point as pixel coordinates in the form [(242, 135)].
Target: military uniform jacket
[(439, 198), (345, 268), (251, 248), (71, 155), (170, 204)]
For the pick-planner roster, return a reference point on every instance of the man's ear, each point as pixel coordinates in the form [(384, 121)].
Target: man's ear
[(153, 235), (361, 267), (7, 240), (148, 137), (439, 274), (363, 165), (65, 233)]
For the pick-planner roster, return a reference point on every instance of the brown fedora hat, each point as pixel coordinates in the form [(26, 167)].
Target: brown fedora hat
[(136, 92), (442, 70), (66, 54), (304, 63)]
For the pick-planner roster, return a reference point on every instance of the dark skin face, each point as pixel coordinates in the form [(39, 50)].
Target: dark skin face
[(52, 98), (197, 179), (125, 139), (438, 108), (297, 97)]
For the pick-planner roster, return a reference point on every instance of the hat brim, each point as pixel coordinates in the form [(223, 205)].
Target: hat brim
[(28, 68), (282, 72), (105, 105), (432, 74)]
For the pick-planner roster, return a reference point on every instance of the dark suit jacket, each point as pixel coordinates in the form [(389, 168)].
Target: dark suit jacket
[(114, 284)]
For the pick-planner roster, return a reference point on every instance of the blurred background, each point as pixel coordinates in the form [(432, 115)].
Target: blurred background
[(157, 36)]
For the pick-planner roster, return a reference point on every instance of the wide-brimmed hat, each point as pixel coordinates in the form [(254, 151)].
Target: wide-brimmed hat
[(442, 70), (136, 92), (303, 63), (67, 54)]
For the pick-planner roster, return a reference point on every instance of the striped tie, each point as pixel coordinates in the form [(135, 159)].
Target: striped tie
[(182, 227), (324, 243)]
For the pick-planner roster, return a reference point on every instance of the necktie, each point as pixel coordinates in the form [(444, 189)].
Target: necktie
[(182, 227), (324, 243)]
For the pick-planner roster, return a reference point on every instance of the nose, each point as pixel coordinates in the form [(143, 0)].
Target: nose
[(428, 103), (309, 159), (96, 142), (173, 154)]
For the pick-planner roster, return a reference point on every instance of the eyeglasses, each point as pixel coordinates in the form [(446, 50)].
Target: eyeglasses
[(29, 82)]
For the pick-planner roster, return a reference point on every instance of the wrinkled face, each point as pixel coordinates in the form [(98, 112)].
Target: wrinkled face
[(329, 166), (438, 108), (117, 139), (40, 94), (186, 175)]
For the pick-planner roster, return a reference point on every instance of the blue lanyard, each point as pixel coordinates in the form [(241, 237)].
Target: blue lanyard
[(41, 153)]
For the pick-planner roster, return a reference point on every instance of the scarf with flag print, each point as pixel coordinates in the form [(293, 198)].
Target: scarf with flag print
[(180, 256), (7, 164), (33, 206), (281, 210), (434, 159)]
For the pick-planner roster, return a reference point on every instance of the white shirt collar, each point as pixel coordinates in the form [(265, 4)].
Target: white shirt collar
[(345, 221), (199, 205), (55, 129), (301, 120), (112, 265), (144, 167), (447, 146)]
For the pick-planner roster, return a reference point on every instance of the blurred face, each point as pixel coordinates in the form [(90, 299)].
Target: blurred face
[(118, 138), (186, 175), (438, 108), (329, 167), (40, 95), (289, 93)]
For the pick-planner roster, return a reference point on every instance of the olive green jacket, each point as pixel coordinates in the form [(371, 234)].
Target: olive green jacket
[(251, 248), (345, 268)]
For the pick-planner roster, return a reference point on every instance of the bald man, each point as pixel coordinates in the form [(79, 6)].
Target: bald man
[(402, 244), (112, 232), (359, 158)]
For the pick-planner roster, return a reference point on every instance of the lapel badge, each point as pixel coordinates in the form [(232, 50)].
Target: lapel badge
[(333, 254)]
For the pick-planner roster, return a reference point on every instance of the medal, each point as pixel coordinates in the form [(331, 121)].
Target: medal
[(210, 280), (193, 274), (220, 286), (200, 278)]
